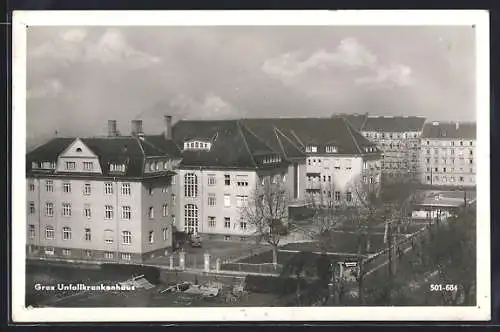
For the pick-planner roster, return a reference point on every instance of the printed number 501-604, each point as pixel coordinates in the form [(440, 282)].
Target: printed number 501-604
[(441, 287)]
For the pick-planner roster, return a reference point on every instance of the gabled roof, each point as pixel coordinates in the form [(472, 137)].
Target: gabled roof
[(448, 130), (122, 149), (315, 131), (393, 123), (357, 121)]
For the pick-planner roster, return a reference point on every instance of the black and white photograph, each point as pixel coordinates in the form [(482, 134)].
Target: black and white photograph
[(300, 165)]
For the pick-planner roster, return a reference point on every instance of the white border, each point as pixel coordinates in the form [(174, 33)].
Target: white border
[(23, 19)]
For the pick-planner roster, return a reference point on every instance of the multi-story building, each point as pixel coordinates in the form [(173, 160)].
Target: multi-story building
[(340, 161), (448, 154), (399, 139), (223, 164), (106, 198)]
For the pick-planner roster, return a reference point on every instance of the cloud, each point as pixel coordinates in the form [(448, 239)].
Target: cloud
[(350, 55), (211, 106), (50, 88), (111, 47)]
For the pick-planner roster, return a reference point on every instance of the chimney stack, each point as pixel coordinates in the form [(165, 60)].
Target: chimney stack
[(112, 131), (168, 127), (136, 127)]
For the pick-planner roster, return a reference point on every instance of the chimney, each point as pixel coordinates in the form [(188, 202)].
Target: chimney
[(112, 131), (168, 127), (136, 127)]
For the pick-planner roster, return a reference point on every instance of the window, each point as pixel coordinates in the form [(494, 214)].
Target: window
[(311, 148), (471, 170), (151, 212), (227, 200), (471, 161), (151, 237), (461, 179), (190, 185), (364, 179), (227, 238), (31, 231), (108, 212), (348, 164), (88, 165), (70, 165), (49, 233), (164, 210), (461, 143), (88, 234), (150, 190), (428, 178), (108, 188), (164, 189), (211, 222), (49, 251), (337, 196), (66, 252), (227, 222), (88, 253), (31, 208), (243, 225), (108, 255), (242, 180), (108, 236), (190, 218), (126, 189), (173, 179), (126, 212), (444, 169), (49, 185), (173, 200), (87, 212), (66, 209), (66, 233), (165, 234), (211, 180), (211, 199), (86, 189), (241, 200), (348, 196), (126, 256), (227, 180), (67, 187), (31, 185), (116, 168), (331, 149), (127, 237)]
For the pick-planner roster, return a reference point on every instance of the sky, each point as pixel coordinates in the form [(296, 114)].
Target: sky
[(80, 77)]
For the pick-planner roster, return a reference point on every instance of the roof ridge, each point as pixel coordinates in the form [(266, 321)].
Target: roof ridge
[(279, 141), (288, 139), (238, 124), (297, 138), (257, 137), (346, 123)]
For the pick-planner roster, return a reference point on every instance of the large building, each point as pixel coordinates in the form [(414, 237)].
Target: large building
[(448, 154), (224, 161), (399, 139), (223, 164), (106, 198)]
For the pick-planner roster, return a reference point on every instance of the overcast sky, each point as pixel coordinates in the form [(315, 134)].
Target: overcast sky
[(78, 78)]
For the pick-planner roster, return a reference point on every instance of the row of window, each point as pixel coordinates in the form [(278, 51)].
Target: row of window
[(157, 166), (66, 210), (197, 145), (50, 234), (391, 135), (241, 200), (452, 143), (212, 223), (328, 149), (461, 161), (337, 163), (191, 182), (337, 195), (445, 151), (49, 251), (447, 179), (450, 170)]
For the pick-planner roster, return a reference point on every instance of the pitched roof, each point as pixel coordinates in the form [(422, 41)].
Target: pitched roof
[(357, 121), (464, 130), (393, 123), (315, 131), (122, 149)]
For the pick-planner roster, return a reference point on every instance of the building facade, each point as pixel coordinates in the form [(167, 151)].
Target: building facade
[(399, 139), (448, 154), (103, 198)]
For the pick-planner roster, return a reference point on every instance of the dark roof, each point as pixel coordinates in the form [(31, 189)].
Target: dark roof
[(447, 130), (356, 120), (321, 132), (393, 123), (123, 149)]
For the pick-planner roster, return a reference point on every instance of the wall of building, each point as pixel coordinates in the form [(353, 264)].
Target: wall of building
[(448, 162)]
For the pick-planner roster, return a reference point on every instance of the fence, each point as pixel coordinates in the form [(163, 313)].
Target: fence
[(264, 268)]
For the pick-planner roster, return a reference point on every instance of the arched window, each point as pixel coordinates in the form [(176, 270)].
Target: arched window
[(66, 233), (190, 218), (190, 185)]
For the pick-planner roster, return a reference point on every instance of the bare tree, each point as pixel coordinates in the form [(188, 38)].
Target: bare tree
[(267, 213)]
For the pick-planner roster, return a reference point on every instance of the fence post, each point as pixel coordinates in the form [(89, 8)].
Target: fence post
[(171, 262), (182, 260), (217, 265), (207, 262)]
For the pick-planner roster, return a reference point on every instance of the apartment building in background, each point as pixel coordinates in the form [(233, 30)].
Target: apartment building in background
[(399, 139), (223, 164), (448, 154), (102, 198), (341, 164)]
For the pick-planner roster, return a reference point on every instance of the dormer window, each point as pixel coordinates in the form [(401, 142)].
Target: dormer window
[(117, 168), (311, 148), (197, 145), (70, 165), (331, 149)]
